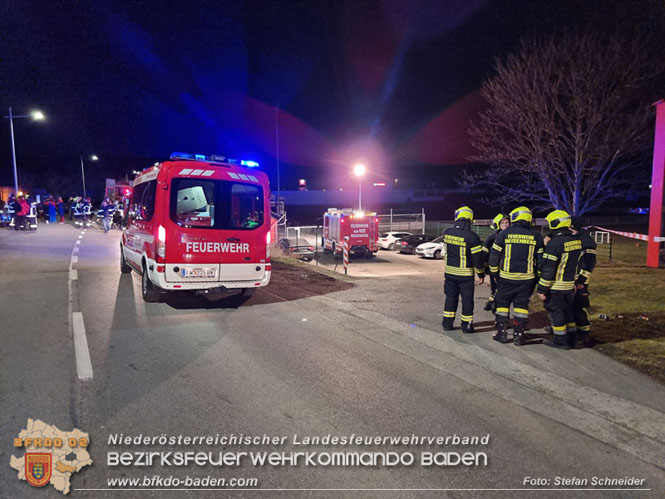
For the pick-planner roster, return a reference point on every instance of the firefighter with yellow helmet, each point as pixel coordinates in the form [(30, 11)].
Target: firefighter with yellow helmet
[(514, 260), (463, 260), (556, 287)]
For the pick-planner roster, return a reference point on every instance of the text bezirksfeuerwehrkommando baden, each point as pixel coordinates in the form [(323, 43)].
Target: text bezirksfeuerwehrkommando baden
[(319, 457)]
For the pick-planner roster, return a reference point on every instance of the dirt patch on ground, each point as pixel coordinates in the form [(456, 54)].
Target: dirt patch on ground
[(295, 280)]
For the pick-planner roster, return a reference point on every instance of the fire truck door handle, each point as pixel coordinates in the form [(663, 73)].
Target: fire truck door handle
[(233, 239)]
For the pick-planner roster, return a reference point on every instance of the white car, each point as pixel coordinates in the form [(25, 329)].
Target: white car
[(387, 239), (432, 249)]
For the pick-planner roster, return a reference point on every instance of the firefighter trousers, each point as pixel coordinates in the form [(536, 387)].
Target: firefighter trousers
[(517, 293), (581, 309), (454, 287), (559, 305)]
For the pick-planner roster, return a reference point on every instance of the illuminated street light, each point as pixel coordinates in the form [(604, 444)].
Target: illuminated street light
[(92, 158), (359, 170), (35, 115)]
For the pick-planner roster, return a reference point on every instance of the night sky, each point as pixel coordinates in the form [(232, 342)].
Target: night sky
[(392, 82)]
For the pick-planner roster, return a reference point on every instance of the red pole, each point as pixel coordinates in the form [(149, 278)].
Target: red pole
[(657, 181)]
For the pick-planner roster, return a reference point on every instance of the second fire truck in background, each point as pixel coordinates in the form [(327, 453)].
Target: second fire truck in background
[(361, 228)]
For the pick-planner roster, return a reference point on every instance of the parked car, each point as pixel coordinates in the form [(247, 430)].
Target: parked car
[(387, 240), (432, 249), (298, 247), (409, 244)]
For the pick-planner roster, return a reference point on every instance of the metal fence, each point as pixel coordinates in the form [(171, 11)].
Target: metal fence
[(407, 222)]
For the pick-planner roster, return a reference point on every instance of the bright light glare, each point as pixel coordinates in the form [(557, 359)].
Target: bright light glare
[(37, 115), (359, 170), (94, 157)]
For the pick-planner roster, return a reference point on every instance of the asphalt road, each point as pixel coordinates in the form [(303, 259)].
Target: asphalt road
[(369, 361)]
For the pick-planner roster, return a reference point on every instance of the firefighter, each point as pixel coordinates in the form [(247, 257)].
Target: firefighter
[(87, 212), (11, 209), (499, 223), (463, 260), (586, 265), (77, 206), (557, 282), (514, 260)]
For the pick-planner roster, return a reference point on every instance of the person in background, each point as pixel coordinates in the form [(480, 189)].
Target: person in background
[(22, 211), (11, 209), (106, 210), (51, 210), (61, 210)]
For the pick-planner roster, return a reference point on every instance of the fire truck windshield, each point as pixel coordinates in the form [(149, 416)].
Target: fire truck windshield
[(216, 204)]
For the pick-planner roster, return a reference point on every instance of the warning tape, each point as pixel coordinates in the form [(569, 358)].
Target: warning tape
[(632, 235)]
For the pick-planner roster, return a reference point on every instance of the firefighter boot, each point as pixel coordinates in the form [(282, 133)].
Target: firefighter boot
[(548, 329), (467, 327), (519, 336), (585, 337), (559, 341), (572, 338), (447, 324), (490, 303), (501, 334)]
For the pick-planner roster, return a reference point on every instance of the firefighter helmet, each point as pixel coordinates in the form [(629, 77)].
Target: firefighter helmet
[(558, 219), (496, 221), (521, 213), (464, 212)]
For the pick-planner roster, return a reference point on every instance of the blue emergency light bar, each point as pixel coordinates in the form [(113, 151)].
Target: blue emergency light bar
[(214, 158)]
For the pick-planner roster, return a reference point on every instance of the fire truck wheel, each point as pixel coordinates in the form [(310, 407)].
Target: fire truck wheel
[(150, 294), (124, 266), (334, 248), (391, 247)]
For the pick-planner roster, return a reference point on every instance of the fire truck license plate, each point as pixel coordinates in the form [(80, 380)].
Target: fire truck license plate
[(198, 272)]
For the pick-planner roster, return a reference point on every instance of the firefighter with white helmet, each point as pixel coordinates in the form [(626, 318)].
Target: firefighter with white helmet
[(463, 261), (514, 260), (557, 282)]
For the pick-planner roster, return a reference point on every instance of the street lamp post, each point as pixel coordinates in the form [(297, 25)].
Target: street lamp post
[(93, 158), (35, 115), (359, 170)]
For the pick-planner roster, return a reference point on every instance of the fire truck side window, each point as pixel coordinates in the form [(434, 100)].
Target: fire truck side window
[(143, 201)]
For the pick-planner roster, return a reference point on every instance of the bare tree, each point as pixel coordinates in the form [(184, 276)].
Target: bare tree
[(568, 118)]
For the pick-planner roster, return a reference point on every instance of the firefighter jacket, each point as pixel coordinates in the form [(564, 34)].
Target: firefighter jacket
[(588, 259), (560, 260), (464, 252), (516, 253)]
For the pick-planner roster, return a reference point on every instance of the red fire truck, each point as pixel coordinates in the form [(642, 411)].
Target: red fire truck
[(198, 223), (362, 229)]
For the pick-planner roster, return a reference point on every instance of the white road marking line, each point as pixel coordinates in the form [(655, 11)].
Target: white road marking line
[(83, 363), (73, 274), (75, 259), (81, 236), (78, 242), (76, 249)]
